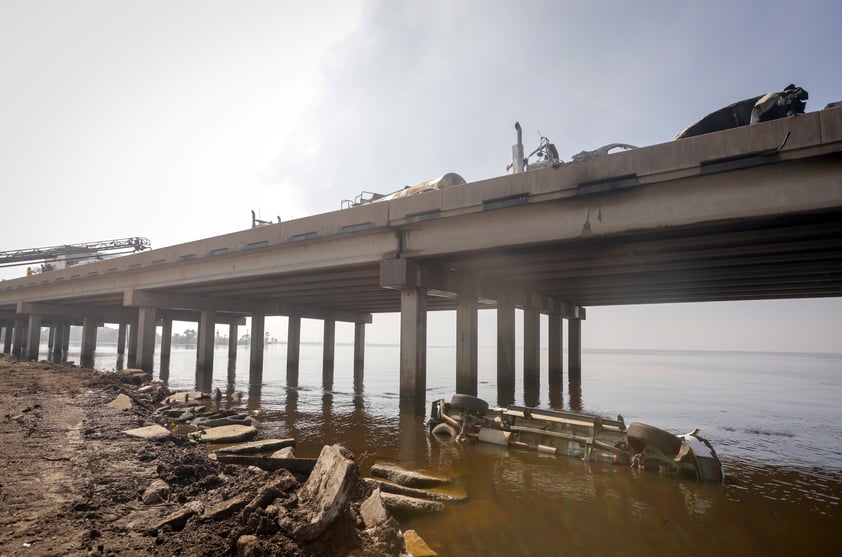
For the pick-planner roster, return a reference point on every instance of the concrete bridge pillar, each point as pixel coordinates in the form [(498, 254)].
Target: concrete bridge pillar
[(258, 325), (555, 359), (121, 339), (18, 340), (413, 370), (505, 354), (232, 352), (51, 339), (328, 353), (89, 326), (359, 355), (531, 356), (7, 338), (293, 350), (145, 335), (166, 347), (57, 350), (574, 351), (466, 345), (33, 337), (131, 356), (204, 350), (65, 341)]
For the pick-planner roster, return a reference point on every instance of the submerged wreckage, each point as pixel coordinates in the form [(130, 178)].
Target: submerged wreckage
[(575, 434)]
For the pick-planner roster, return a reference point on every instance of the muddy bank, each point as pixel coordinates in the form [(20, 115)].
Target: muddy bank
[(75, 483)]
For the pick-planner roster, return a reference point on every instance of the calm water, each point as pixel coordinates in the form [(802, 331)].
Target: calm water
[(773, 418)]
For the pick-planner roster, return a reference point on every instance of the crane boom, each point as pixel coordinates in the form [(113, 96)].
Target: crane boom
[(106, 247)]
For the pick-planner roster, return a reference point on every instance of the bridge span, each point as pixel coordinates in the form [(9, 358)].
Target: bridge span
[(749, 213)]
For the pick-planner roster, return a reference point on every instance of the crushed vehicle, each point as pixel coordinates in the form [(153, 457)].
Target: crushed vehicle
[(589, 437), (771, 106)]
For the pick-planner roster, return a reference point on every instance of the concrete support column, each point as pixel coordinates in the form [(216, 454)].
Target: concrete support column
[(574, 350), (505, 354), (145, 335), (33, 337), (328, 353), (89, 325), (232, 352), (555, 359), (65, 342), (293, 350), (466, 345), (359, 355), (7, 339), (18, 340), (413, 372), (121, 339), (57, 349), (51, 339), (204, 350), (131, 357), (531, 356), (258, 324), (166, 347)]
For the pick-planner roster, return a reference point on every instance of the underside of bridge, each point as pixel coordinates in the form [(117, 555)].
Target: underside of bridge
[(728, 216)]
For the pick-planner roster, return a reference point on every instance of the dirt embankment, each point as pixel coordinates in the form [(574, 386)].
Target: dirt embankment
[(73, 482)]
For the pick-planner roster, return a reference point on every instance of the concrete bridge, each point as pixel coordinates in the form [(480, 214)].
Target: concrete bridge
[(748, 213)]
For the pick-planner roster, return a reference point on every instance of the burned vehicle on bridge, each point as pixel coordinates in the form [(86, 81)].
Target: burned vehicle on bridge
[(589, 437)]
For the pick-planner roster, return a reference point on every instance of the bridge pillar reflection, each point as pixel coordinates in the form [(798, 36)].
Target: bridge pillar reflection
[(204, 350), (466, 345), (33, 337), (413, 371), (293, 350)]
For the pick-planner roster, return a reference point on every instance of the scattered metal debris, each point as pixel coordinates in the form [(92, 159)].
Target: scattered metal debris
[(585, 436)]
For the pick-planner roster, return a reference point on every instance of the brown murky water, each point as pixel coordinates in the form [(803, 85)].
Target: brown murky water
[(775, 420)]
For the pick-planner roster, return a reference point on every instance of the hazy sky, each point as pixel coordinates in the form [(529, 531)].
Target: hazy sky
[(174, 119)]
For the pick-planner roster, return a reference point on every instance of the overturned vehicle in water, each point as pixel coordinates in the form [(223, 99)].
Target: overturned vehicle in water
[(586, 436)]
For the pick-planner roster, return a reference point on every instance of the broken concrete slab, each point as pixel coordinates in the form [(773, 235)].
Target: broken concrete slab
[(226, 508), (286, 452), (261, 446), (295, 465), (409, 505), (184, 397), (408, 478), (389, 487), (158, 492), (324, 496), (151, 432), (122, 402), (373, 511), (416, 546), (226, 434), (176, 520)]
